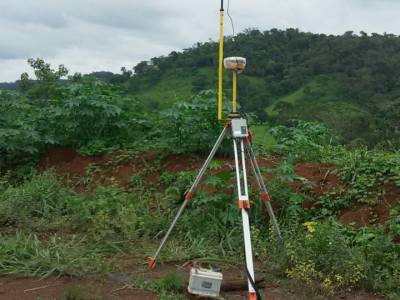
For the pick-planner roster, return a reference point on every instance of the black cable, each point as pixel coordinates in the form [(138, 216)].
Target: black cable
[(253, 284), (230, 18)]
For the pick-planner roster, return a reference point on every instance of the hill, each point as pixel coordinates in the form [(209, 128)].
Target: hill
[(9, 85), (349, 82)]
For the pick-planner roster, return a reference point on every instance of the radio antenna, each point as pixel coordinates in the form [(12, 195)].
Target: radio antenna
[(231, 19)]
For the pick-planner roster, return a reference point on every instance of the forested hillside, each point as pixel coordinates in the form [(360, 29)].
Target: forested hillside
[(350, 82)]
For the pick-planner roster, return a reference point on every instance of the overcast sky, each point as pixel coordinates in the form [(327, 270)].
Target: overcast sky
[(93, 35)]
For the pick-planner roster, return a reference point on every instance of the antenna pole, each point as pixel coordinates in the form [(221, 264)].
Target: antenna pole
[(221, 58), (234, 91)]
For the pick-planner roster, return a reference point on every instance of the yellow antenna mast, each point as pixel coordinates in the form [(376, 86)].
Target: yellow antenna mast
[(221, 58)]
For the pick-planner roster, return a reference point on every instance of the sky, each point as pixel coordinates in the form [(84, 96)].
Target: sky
[(94, 35)]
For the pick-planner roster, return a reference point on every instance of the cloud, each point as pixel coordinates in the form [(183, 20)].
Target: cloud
[(90, 35)]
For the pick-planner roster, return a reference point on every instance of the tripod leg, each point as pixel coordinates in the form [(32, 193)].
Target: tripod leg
[(152, 259), (244, 204), (264, 190)]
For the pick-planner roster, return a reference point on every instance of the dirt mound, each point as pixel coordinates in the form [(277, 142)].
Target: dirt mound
[(86, 172), (322, 177), (367, 215), (107, 169), (178, 163), (69, 162)]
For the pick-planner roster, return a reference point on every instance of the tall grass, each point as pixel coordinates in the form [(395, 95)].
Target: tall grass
[(27, 255)]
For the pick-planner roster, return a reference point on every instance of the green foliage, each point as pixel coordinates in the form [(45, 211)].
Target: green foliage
[(171, 283), (168, 287), (328, 257), (192, 126), (89, 115), (42, 203), (112, 211), (46, 79), (36, 202), (305, 140), (368, 174), (394, 223), (346, 81), (93, 115), (381, 260), (73, 293), (18, 127)]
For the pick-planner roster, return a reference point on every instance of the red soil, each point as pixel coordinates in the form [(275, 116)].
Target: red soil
[(366, 215), (69, 162), (114, 288), (177, 163), (322, 176), (74, 167), (53, 288), (107, 170)]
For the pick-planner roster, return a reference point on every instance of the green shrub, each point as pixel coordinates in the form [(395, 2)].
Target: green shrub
[(38, 201), (113, 211), (366, 173), (328, 258), (92, 115), (302, 140), (19, 131), (190, 127)]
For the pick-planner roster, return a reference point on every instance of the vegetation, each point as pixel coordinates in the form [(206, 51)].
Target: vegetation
[(348, 82), (51, 228)]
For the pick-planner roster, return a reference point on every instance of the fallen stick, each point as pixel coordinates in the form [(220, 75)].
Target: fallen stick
[(40, 287)]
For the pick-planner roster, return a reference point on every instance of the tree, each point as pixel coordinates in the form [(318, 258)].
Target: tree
[(46, 78)]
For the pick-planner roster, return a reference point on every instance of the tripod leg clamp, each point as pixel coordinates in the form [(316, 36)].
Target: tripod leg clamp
[(265, 197), (244, 204), (188, 196)]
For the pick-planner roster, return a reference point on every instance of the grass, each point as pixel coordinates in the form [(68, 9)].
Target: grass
[(27, 254), (169, 89), (262, 137), (174, 87), (291, 99), (73, 293), (325, 90), (329, 259)]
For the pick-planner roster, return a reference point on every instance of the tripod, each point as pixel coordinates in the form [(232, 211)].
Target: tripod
[(242, 150)]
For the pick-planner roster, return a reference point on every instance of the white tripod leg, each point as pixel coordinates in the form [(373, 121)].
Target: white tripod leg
[(244, 204), (151, 260)]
